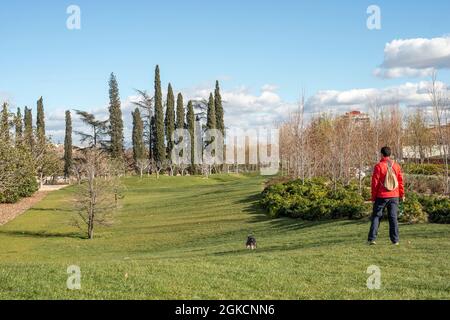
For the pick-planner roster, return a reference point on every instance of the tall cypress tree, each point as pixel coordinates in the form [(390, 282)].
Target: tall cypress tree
[(4, 124), (28, 132), (190, 124), (40, 123), (153, 138), (180, 112), (170, 120), (220, 123), (211, 115), (160, 152), (115, 120), (18, 124), (138, 136), (68, 157)]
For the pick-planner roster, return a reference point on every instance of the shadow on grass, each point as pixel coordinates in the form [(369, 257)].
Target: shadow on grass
[(53, 210), (285, 223), (327, 243), (43, 234), (253, 207)]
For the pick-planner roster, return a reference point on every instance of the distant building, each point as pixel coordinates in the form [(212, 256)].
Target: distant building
[(433, 153), (430, 153), (357, 116)]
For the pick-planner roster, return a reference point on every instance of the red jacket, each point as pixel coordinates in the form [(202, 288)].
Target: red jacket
[(378, 177)]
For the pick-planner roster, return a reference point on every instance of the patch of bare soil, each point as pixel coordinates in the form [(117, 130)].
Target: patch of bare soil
[(9, 212)]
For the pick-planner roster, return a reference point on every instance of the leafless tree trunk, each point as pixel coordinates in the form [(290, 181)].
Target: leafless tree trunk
[(97, 197), (440, 104)]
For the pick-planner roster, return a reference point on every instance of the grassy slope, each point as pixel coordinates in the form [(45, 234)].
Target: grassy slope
[(183, 238)]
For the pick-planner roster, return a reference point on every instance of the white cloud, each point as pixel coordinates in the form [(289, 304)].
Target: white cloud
[(244, 109), (269, 87), (55, 123), (414, 57), (408, 94), (403, 73), (5, 97)]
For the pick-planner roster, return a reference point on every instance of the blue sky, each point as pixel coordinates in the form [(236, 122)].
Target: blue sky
[(317, 45)]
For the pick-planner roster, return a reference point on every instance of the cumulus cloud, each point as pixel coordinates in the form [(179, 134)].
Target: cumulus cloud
[(269, 87), (246, 109), (5, 97), (55, 123), (403, 73), (414, 57), (243, 109), (408, 94)]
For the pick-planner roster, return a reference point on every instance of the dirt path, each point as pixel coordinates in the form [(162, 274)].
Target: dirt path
[(9, 212)]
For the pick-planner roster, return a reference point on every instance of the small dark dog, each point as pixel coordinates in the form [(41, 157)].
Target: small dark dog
[(251, 242)]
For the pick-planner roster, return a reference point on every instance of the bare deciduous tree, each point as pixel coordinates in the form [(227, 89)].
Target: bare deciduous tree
[(440, 104), (96, 198), (142, 165), (146, 104)]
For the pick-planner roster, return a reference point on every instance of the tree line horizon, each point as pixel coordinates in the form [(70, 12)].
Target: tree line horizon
[(154, 121)]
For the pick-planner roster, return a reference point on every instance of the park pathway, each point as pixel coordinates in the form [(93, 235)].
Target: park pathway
[(9, 212)]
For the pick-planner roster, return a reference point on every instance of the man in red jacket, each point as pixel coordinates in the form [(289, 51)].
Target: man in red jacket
[(383, 198)]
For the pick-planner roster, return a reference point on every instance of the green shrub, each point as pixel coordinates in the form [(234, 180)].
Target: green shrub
[(367, 193), (315, 199), (413, 211), (28, 186), (9, 196), (424, 184), (438, 209), (18, 174), (423, 169)]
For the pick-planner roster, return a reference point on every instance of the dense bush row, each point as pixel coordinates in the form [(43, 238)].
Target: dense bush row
[(438, 209), (17, 174), (421, 208), (412, 211), (423, 169), (424, 184), (314, 199), (318, 199)]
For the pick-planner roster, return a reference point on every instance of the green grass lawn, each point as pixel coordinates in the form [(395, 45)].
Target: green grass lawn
[(183, 238)]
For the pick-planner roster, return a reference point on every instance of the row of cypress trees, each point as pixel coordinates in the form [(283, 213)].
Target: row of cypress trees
[(114, 129), (23, 127), (176, 116), (161, 126), (25, 154)]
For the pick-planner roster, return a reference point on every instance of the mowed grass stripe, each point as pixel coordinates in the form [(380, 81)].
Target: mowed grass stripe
[(183, 238)]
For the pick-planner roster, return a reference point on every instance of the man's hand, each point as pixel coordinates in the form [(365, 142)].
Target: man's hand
[(403, 199)]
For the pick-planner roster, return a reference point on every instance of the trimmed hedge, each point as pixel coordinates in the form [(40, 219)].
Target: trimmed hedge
[(420, 208), (411, 211), (313, 200), (318, 199), (438, 209), (423, 169)]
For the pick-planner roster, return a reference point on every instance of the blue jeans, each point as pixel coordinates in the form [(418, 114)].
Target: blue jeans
[(392, 206)]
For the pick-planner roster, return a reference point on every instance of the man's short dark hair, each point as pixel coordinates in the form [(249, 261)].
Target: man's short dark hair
[(386, 151)]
